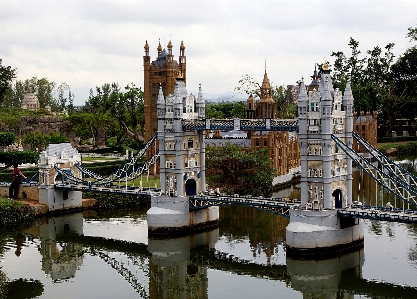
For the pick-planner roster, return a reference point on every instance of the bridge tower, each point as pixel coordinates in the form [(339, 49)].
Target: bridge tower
[(182, 165), (326, 172)]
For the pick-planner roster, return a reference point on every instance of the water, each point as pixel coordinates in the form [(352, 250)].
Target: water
[(90, 255)]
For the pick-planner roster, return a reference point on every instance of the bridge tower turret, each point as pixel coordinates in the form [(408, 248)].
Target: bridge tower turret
[(326, 172), (182, 165), (348, 108)]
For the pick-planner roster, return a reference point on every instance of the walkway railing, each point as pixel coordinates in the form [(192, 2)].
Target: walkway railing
[(237, 124), (385, 172)]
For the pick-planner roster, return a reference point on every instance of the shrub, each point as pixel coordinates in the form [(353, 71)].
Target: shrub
[(7, 138), (23, 157)]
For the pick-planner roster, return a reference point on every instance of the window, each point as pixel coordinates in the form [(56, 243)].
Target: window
[(190, 143)]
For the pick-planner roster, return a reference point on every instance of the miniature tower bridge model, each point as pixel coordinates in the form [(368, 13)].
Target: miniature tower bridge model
[(182, 165), (65, 157), (326, 173)]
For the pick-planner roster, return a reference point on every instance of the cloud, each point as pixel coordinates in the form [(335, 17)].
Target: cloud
[(88, 43)]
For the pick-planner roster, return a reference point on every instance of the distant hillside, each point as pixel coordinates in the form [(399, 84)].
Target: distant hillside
[(229, 96)]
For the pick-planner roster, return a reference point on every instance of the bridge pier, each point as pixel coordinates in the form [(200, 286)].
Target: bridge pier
[(322, 234), (315, 229)]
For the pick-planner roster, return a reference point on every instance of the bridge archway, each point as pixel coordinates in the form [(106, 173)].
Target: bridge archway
[(191, 187), (337, 194)]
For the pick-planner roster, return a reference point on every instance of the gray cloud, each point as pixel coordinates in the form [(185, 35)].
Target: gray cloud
[(88, 43)]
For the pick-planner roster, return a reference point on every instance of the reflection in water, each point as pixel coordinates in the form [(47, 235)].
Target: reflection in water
[(172, 275), (60, 260), (317, 278), (265, 231), (246, 244)]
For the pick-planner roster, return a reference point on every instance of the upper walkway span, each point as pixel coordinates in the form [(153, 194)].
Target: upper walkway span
[(238, 124)]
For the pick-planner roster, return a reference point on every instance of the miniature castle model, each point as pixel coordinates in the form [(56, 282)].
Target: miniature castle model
[(283, 147), (30, 101)]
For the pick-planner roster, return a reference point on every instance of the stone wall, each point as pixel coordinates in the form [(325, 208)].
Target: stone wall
[(47, 125), (26, 192)]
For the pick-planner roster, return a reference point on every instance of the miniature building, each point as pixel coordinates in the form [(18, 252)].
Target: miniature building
[(283, 147), (164, 72), (30, 101), (366, 126)]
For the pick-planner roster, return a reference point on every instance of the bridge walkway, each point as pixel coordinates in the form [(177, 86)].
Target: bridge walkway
[(380, 213)]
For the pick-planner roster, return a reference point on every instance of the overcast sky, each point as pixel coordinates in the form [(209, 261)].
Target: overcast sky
[(88, 43)]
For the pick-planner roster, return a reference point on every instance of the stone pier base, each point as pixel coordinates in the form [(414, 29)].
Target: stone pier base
[(171, 215), (322, 234)]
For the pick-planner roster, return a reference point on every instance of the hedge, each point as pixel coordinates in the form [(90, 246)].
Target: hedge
[(18, 157), (389, 139), (7, 138), (14, 214)]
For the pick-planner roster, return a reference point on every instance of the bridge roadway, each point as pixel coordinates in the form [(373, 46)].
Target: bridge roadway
[(379, 213), (278, 206)]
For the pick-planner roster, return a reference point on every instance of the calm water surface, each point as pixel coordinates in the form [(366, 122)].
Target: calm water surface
[(94, 255)]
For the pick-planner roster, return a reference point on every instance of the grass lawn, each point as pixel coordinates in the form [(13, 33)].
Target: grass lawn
[(98, 159), (151, 182), (4, 202)]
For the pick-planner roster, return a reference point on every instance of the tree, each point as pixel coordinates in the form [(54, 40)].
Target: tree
[(225, 110), (7, 74), (48, 93), (244, 170), (120, 113), (379, 83)]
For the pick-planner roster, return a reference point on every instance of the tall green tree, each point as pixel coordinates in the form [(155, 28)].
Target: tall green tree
[(7, 74), (119, 111), (379, 82)]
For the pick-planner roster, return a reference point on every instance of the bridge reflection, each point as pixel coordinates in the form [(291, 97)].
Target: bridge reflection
[(178, 267)]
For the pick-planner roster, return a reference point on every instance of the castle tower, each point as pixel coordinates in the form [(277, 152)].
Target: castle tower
[(326, 172), (250, 110), (162, 72)]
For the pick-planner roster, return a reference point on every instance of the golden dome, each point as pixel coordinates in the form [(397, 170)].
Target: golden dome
[(169, 45), (325, 66), (146, 47), (159, 46), (182, 47)]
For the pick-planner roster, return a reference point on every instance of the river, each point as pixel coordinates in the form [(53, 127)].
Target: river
[(109, 255)]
